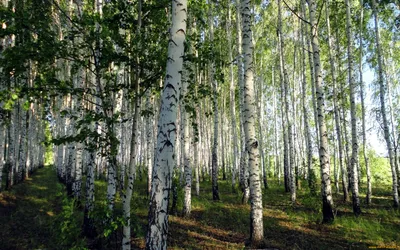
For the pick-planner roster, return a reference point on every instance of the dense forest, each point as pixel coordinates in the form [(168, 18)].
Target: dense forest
[(199, 124)]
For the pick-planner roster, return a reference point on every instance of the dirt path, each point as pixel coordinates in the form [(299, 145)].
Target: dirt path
[(27, 212)]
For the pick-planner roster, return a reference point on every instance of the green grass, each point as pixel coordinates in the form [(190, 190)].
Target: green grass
[(36, 214), (28, 212)]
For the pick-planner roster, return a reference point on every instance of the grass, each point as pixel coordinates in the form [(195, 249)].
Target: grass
[(28, 211), (36, 214)]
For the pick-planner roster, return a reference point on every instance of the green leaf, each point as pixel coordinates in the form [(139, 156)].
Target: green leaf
[(26, 105)]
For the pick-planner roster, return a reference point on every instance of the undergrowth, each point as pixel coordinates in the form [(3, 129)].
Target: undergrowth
[(220, 224)]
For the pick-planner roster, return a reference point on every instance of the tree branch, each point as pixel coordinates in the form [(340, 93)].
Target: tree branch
[(301, 18)]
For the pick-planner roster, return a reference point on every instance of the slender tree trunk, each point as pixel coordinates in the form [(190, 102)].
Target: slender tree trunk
[(23, 141), (307, 133), (232, 100), (71, 160), (196, 163), (276, 138), (149, 136), (259, 102), (164, 157), (354, 141), (213, 81), (313, 80), (392, 122), (327, 201), (283, 80), (77, 180), (250, 117), (364, 135), (187, 200), (11, 149), (31, 131), (244, 178), (336, 109), (383, 107), (336, 181), (128, 190)]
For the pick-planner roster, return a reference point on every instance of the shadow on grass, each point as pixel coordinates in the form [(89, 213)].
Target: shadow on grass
[(27, 212)]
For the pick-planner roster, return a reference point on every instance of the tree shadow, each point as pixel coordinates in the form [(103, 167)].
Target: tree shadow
[(27, 214)]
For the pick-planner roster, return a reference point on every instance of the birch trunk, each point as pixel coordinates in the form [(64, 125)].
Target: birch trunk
[(336, 109), (93, 161), (364, 135), (11, 149), (79, 146), (313, 80), (23, 141), (29, 156), (88, 221), (187, 200), (383, 107), (128, 190), (149, 136), (232, 100), (327, 201), (187, 166), (243, 160), (127, 197), (198, 142), (250, 117), (276, 138), (285, 125), (392, 119), (307, 133), (214, 155), (354, 140), (164, 157)]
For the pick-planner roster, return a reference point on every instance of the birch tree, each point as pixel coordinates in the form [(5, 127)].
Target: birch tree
[(327, 201), (164, 155), (382, 94), (354, 140), (336, 108), (214, 155), (250, 117)]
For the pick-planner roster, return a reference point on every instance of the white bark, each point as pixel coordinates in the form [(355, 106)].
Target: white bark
[(284, 111), (30, 145), (336, 109), (383, 107), (327, 201), (243, 171), (250, 117), (214, 154), (187, 200), (22, 142), (232, 100), (354, 140), (128, 190), (79, 146), (164, 157), (11, 149), (307, 132), (196, 163), (149, 136)]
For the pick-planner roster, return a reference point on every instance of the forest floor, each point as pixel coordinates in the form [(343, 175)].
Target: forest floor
[(28, 210), (37, 214)]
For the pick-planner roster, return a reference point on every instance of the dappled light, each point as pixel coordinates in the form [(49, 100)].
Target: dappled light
[(177, 124)]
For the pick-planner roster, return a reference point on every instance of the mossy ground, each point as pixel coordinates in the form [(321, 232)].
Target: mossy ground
[(36, 214)]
